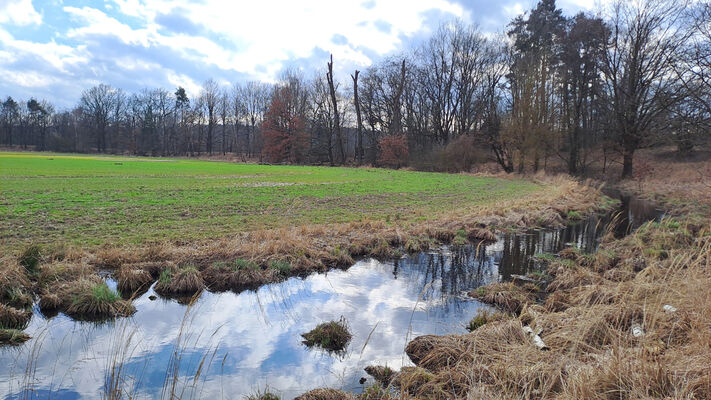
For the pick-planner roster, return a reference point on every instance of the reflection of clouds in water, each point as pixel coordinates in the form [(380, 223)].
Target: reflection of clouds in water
[(259, 332)]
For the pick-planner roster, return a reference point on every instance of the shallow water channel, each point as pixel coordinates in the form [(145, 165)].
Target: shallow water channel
[(229, 345)]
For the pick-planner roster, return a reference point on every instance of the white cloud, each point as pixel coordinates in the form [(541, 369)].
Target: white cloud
[(19, 12)]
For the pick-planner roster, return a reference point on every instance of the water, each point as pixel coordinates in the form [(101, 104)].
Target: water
[(251, 340)]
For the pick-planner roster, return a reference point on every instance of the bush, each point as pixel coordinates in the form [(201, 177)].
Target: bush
[(394, 152), (460, 155)]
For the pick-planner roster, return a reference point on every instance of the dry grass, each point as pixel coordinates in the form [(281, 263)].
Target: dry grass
[(13, 318), (183, 280), (507, 296), (325, 394), (15, 287), (587, 322), (382, 374), (130, 280)]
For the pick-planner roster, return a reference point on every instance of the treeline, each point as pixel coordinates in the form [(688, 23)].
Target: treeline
[(571, 91)]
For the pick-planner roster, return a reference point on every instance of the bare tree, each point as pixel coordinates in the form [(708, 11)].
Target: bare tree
[(639, 69), (336, 116), (210, 96), (97, 103), (359, 119)]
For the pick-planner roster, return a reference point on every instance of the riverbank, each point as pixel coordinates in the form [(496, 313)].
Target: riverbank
[(65, 278), (630, 321)]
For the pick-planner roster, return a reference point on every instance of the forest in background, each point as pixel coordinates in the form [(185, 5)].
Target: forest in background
[(569, 91)]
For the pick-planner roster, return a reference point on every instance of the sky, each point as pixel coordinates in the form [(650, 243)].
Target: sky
[(55, 49)]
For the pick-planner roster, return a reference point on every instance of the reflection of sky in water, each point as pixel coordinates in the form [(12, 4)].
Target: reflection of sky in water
[(257, 334), (253, 339)]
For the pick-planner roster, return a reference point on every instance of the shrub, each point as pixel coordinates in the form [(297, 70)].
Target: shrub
[(393, 151)]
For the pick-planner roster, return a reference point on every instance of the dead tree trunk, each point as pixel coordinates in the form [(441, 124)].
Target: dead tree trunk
[(359, 147), (336, 117)]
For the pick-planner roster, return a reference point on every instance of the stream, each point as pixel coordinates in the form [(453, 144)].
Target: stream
[(231, 345)]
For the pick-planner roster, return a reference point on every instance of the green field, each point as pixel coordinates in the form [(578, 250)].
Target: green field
[(92, 200)]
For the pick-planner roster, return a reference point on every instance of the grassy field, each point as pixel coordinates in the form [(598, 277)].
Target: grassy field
[(92, 200)]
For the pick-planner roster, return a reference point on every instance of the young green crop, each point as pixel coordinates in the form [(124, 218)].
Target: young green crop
[(93, 200)]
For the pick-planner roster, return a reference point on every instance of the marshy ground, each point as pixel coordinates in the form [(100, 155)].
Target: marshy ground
[(404, 212)]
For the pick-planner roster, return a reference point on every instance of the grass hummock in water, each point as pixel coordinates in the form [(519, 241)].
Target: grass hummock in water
[(98, 301), (13, 318), (13, 336), (130, 280), (331, 336), (183, 280)]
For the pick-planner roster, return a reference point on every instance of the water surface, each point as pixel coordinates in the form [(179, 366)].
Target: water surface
[(251, 340)]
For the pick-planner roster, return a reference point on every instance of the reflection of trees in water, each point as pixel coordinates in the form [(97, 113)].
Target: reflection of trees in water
[(446, 274), (462, 268)]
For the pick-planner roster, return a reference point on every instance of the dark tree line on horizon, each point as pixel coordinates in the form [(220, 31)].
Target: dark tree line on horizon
[(553, 88)]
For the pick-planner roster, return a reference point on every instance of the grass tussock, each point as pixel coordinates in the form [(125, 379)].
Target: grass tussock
[(382, 374), (15, 286), (96, 301), (507, 296), (13, 337), (326, 394), (13, 318), (331, 336), (30, 258), (130, 280), (183, 280), (483, 317)]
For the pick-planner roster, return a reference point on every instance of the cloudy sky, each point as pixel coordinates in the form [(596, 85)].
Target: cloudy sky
[(54, 49)]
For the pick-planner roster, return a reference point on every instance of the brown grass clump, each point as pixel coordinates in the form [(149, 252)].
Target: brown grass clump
[(183, 280), (12, 318), (483, 317), (50, 302), (13, 337), (506, 296), (130, 280), (331, 336), (325, 394), (382, 374), (411, 380), (15, 287), (96, 301)]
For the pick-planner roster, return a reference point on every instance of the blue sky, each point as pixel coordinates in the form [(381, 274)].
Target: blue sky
[(54, 49)]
